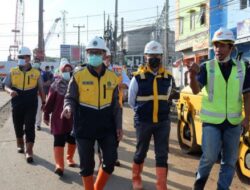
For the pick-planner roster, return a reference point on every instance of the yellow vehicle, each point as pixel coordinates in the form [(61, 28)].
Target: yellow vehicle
[(189, 130)]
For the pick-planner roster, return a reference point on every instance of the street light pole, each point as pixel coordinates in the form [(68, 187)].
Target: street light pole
[(79, 32), (166, 33), (115, 32)]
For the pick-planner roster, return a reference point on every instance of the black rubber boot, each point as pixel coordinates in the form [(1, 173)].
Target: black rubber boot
[(200, 183)]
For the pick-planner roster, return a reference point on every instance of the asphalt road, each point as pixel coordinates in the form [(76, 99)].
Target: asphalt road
[(16, 174)]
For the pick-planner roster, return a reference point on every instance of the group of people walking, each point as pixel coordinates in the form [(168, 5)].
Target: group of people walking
[(85, 106)]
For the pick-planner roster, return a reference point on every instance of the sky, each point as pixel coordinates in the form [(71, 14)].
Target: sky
[(136, 13)]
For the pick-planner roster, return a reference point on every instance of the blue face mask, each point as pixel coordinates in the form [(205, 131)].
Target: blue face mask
[(66, 76), (21, 62), (95, 60), (36, 65)]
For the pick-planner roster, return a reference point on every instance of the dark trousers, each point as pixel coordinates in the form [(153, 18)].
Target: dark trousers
[(108, 145), (160, 132), (24, 118), (60, 140)]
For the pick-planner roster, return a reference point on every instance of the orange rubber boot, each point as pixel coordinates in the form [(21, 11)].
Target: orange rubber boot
[(70, 154), (88, 182), (101, 179), (59, 159), (136, 176), (161, 178)]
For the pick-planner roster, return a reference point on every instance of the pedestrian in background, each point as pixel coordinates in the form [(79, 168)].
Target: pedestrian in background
[(149, 95), (123, 83), (93, 99), (37, 65), (23, 83), (60, 127), (222, 80), (48, 78)]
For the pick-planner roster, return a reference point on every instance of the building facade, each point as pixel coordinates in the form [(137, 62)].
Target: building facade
[(192, 30), (134, 42), (234, 15)]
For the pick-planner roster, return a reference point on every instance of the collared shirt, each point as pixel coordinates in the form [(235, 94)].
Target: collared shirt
[(226, 71), (132, 92)]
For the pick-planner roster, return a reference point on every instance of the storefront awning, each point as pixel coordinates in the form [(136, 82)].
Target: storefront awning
[(243, 40)]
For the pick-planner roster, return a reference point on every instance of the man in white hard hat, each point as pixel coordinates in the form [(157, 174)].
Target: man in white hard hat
[(149, 96), (123, 82), (23, 83), (93, 98), (223, 81)]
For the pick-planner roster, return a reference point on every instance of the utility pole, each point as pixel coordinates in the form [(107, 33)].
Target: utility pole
[(87, 28), (115, 32), (79, 32), (40, 51), (166, 44), (122, 36), (107, 35), (64, 25), (104, 23), (157, 35)]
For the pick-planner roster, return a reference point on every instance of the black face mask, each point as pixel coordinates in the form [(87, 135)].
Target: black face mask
[(154, 62)]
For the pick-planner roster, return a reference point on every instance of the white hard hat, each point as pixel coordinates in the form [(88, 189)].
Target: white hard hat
[(96, 43), (108, 52), (153, 47), (223, 34), (63, 63), (24, 51)]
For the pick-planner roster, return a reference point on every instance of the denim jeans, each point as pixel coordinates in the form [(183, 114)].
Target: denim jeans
[(218, 140)]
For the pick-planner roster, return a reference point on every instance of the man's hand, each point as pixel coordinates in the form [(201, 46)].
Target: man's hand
[(119, 133), (122, 86), (193, 69), (245, 123), (13, 93), (66, 112)]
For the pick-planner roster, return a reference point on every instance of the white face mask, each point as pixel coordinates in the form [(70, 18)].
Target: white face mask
[(36, 65), (66, 76), (226, 59), (21, 62)]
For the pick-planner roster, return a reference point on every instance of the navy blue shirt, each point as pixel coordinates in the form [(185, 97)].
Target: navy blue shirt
[(226, 71)]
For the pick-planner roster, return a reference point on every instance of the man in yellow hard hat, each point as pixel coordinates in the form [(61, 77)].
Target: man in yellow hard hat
[(223, 81)]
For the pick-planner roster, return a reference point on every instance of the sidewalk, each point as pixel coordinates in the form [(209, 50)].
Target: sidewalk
[(4, 98)]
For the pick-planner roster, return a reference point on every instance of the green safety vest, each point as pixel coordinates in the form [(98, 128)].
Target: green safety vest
[(223, 100)]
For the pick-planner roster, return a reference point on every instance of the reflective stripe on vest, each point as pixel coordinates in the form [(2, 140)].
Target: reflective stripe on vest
[(156, 97), (211, 81), (223, 99), (241, 78), (212, 77)]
